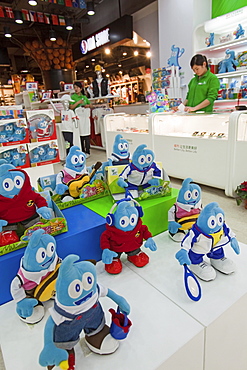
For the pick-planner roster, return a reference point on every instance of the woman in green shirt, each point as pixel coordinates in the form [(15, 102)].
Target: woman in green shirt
[(203, 87), (78, 98)]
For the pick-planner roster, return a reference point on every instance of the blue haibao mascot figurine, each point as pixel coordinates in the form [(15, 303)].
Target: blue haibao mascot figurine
[(239, 32), (19, 203), (77, 308), (208, 236), (35, 280), (19, 134), (10, 129), (184, 213), (175, 55), (120, 154), (227, 64), (209, 41), (125, 234), (141, 172)]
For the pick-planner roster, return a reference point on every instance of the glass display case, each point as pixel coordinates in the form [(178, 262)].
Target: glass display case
[(193, 145), (135, 128)]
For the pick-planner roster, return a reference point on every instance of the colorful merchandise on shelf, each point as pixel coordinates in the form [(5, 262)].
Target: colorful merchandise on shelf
[(125, 234), (77, 286), (75, 184), (42, 153), (36, 277), (228, 64), (13, 131), (243, 86), (242, 60), (208, 237), (17, 155), (158, 102), (10, 112), (209, 41), (184, 213), (239, 32), (42, 126)]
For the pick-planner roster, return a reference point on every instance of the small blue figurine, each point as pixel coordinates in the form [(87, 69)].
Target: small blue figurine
[(208, 236), (210, 40), (120, 154), (239, 32), (18, 159), (125, 234), (9, 129), (76, 309), (4, 137), (184, 213), (141, 172), (19, 134), (35, 280), (175, 55), (227, 64), (7, 156)]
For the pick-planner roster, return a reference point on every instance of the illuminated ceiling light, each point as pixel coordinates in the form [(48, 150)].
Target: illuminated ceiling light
[(87, 66), (69, 24), (124, 53), (119, 65), (107, 75), (136, 53), (148, 54), (93, 60), (144, 40), (90, 8), (32, 2), (52, 35), (24, 71), (147, 43), (121, 72), (85, 81), (103, 70), (7, 32), (18, 16), (107, 51)]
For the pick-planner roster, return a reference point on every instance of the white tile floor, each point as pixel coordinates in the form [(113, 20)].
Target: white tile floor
[(155, 337)]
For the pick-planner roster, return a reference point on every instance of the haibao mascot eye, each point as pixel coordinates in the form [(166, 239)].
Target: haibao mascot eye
[(220, 219), (120, 146), (50, 249), (40, 255), (195, 194), (133, 219), (8, 184), (81, 158), (187, 195), (19, 181), (142, 159), (149, 158), (124, 221), (87, 280), (74, 159), (75, 288), (126, 146), (212, 222)]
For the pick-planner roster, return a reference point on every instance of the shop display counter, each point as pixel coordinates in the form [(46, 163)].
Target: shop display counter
[(134, 128)]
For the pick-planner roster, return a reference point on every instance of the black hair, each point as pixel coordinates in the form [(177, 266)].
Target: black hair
[(198, 60), (79, 84)]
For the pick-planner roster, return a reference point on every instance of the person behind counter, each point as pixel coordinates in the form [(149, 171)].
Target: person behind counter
[(83, 116), (203, 87)]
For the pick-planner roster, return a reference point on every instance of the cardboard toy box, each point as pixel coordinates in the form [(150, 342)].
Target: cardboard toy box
[(56, 225), (13, 111), (41, 124), (163, 189), (42, 153), (13, 131), (17, 155), (88, 192)]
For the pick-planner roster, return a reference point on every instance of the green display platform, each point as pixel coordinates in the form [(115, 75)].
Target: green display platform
[(155, 210)]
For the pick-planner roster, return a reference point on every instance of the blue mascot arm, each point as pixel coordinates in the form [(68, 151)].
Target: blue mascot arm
[(61, 188), (154, 182), (24, 308), (235, 245), (120, 301), (108, 255), (150, 243), (45, 212), (173, 227), (50, 354), (3, 223), (183, 257), (122, 183)]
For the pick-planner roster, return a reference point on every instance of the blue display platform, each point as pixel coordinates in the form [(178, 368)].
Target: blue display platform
[(82, 238)]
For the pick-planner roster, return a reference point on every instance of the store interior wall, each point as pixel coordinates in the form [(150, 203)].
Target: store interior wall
[(145, 23), (177, 21)]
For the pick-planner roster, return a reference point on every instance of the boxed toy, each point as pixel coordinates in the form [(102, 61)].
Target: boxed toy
[(17, 155), (13, 131), (117, 192), (42, 153), (13, 111), (41, 124), (56, 225)]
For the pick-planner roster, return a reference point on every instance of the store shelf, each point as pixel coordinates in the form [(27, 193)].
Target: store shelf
[(232, 74), (224, 45)]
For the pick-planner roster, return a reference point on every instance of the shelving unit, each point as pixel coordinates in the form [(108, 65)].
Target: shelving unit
[(7, 95), (127, 90)]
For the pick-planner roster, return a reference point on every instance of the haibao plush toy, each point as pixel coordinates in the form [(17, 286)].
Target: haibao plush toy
[(227, 64), (141, 172), (184, 213), (125, 234), (76, 309), (19, 204), (10, 129), (120, 154), (208, 236), (35, 280)]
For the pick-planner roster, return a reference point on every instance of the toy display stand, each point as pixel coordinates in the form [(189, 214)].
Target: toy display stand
[(168, 331)]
